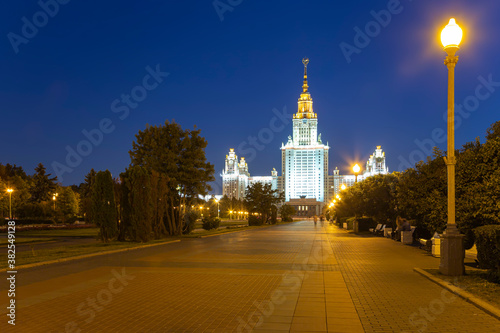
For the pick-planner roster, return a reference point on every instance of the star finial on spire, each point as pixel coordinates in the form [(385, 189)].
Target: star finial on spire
[(305, 61)]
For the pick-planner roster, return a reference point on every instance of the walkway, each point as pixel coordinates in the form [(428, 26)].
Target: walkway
[(287, 278)]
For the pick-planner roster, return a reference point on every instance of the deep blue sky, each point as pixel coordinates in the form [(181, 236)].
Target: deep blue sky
[(227, 76)]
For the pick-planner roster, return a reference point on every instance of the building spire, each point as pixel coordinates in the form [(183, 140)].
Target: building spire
[(305, 61)]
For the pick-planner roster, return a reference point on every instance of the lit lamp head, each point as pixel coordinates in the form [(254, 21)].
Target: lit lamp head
[(356, 169), (9, 190), (343, 187), (451, 36)]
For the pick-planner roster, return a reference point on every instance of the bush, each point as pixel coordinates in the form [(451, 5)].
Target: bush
[(365, 223), (287, 219), (210, 223), (488, 248), (255, 220), (350, 222), (189, 221)]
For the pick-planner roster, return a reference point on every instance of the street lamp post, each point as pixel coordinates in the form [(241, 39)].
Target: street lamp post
[(356, 170), (54, 197), (217, 208), (452, 250), (9, 190)]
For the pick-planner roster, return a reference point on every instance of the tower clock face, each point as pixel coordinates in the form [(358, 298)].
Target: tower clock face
[(304, 121)]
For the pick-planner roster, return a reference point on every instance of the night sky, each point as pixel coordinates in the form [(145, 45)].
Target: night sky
[(228, 71)]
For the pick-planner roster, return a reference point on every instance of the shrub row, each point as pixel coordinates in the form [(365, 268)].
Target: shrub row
[(209, 223), (488, 248)]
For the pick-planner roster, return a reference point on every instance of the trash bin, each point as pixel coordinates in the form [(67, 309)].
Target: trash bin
[(436, 245)]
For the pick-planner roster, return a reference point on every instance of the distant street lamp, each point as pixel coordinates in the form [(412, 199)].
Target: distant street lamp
[(217, 207), (343, 187), (356, 170), (54, 197), (230, 214), (452, 252), (9, 190)]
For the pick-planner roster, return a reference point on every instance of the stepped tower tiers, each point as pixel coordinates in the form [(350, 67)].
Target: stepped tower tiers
[(304, 158), (236, 178)]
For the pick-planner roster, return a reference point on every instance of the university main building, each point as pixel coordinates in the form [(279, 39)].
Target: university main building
[(304, 165)]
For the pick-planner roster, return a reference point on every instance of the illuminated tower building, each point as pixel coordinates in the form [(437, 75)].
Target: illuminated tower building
[(304, 158), (236, 178)]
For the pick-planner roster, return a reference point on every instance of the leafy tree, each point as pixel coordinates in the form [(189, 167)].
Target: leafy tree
[(286, 213), (261, 198), (179, 157), (42, 186), (493, 131), (13, 177), (67, 202), (103, 206)]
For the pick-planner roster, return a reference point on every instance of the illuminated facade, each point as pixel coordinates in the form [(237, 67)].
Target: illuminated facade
[(304, 158), (376, 164), (304, 175), (236, 178)]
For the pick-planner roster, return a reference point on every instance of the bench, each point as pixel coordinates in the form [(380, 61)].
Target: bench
[(426, 244), (374, 230), (381, 231)]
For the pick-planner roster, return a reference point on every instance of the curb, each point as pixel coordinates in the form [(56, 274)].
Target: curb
[(244, 229), (84, 256), (479, 303)]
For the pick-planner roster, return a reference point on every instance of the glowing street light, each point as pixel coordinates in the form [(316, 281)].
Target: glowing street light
[(356, 170), (9, 190), (217, 207), (54, 197), (452, 254), (343, 187)]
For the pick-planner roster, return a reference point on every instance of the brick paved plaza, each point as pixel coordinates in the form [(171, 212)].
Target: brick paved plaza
[(287, 278)]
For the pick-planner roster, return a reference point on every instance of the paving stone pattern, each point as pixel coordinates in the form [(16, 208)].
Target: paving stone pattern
[(298, 277)]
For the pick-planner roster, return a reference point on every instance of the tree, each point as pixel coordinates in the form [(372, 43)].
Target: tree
[(286, 213), (179, 158), (261, 198), (137, 203), (42, 186), (103, 206), (67, 203), (493, 131), (15, 178), (86, 196)]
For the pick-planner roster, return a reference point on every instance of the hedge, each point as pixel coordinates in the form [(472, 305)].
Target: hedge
[(488, 247), (209, 223)]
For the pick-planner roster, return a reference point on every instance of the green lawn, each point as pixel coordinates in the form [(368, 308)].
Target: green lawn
[(474, 282), (27, 257), (83, 232), (22, 240)]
